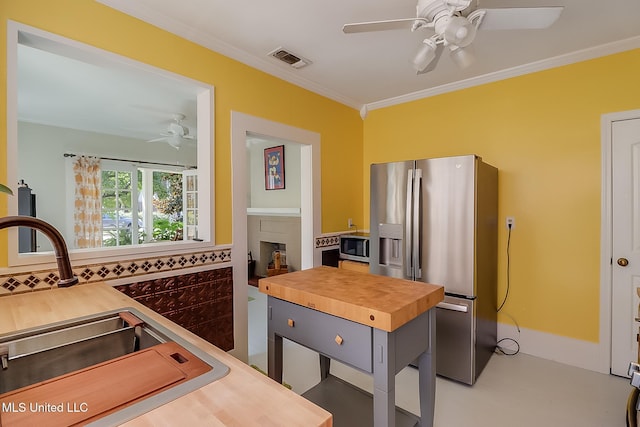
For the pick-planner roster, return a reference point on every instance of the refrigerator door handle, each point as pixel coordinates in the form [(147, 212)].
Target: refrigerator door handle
[(453, 307), (407, 225), (417, 194)]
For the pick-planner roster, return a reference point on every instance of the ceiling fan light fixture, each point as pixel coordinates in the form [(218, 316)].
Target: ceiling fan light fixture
[(455, 24), (462, 57), (459, 31), (175, 141), (425, 55)]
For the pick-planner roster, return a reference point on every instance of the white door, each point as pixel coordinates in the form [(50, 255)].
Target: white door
[(626, 243)]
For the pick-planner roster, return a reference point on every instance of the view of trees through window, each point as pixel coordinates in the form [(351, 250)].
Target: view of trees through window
[(135, 213), (167, 204)]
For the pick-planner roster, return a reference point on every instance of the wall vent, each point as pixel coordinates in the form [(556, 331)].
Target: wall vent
[(289, 58)]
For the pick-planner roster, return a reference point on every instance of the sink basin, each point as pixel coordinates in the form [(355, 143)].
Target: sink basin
[(46, 362)]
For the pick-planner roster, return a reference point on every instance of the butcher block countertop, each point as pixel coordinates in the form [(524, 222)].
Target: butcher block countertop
[(244, 397), (381, 302)]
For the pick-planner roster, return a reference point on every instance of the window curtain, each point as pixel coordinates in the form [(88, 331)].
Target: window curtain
[(87, 212)]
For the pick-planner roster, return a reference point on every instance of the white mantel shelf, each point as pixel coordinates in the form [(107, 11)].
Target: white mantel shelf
[(274, 211)]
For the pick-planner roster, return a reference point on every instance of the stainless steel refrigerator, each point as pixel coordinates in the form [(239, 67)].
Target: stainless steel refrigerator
[(435, 220)]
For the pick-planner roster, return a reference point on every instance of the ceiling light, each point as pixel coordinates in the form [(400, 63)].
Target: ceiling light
[(425, 55), (459, 31), (175, 141), (462, 57)]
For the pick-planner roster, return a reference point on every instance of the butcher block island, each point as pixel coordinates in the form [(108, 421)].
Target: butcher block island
[(242, 397), (376, 324)]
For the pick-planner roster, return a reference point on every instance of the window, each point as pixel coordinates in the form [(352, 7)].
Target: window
[(119, 198), (168, 206), (190, 179), (145, 205)]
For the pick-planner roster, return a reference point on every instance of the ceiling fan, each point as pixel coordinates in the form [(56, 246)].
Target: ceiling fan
[(176, 133), (454, 23)]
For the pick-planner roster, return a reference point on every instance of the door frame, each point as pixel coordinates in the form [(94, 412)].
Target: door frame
[(310, 209), (606, 234)]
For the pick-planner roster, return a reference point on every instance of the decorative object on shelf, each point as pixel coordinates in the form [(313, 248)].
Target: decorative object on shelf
[(278, 265), (274, 168), (276, 260)]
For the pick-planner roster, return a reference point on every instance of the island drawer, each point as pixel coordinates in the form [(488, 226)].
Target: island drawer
[(332, 336)]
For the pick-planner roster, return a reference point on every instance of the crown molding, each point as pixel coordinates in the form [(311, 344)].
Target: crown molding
[(557, 61), (172, 26)]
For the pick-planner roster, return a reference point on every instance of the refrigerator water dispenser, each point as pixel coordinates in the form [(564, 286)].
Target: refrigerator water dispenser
[(391, 237)]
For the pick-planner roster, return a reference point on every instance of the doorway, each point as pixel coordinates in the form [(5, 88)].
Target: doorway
[(242, 127), (620, 261), (273, 213)]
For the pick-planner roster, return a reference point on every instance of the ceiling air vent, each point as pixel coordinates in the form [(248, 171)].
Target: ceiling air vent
[(295, 61)]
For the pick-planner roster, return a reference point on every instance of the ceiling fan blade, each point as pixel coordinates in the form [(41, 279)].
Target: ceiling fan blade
[(391, 24), (164, 138), (520, 18), (434, 62)]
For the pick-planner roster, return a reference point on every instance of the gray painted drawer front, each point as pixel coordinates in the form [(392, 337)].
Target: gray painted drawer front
[(318, 331)]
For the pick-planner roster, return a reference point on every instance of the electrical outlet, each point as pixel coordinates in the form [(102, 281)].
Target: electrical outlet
[(511, 222), (350, 222)]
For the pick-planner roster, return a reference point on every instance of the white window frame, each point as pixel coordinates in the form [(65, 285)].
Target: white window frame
[(110, 165), (190, 230)]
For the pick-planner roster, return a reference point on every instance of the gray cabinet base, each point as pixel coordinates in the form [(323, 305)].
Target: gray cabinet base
[(350, 405), (385, 353)]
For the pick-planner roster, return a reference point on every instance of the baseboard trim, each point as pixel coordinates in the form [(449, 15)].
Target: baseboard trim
[(570, 351)]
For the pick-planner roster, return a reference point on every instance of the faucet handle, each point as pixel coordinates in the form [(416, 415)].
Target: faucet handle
[(634, 373), (635, 380)]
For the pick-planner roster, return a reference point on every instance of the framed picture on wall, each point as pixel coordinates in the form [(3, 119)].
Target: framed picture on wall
[(274, 168)]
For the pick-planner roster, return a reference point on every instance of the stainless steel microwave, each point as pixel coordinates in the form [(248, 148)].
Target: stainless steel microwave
[(355, 247)]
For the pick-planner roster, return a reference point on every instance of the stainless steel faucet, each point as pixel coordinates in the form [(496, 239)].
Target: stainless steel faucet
[(67, 278)]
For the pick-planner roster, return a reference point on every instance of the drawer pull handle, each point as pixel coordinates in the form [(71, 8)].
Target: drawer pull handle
[(463, 308), (339, 340), (291, 323)]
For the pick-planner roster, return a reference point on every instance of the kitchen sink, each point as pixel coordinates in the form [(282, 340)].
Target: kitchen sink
[(54, 362)]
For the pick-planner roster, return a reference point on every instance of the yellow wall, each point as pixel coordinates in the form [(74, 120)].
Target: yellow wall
[(237, 88), (542, 131)]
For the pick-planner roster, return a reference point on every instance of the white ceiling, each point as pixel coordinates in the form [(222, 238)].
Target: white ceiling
[(369, 70), (374, 68), (70, 85), (59, 91)]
